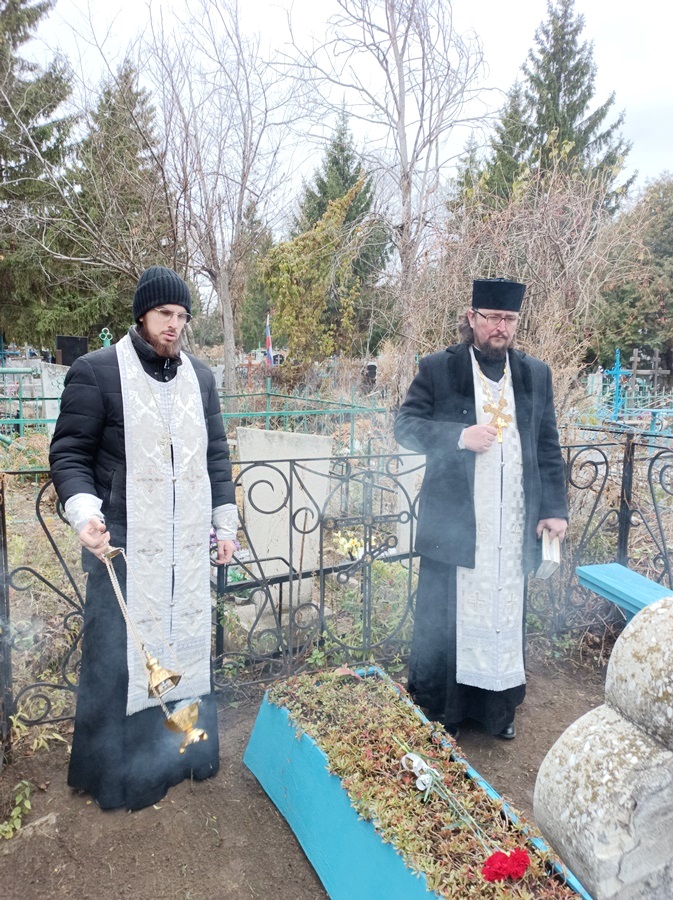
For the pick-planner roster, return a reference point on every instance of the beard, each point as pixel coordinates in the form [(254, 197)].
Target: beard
[(169, 351), (494, 353)]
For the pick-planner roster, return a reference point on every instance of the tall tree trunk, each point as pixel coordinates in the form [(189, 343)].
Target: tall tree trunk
[(229, 351)]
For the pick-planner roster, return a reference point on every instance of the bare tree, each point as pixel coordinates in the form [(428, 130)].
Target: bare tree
[(401, 68), (223, 115), (553, 234), (211, 147)]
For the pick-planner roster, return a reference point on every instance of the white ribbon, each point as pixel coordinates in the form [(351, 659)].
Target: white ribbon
[(412, 762)]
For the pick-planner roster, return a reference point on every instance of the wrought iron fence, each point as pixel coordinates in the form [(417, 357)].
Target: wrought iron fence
[(621, 509), (326, 571), (353, 422), (348, 419)]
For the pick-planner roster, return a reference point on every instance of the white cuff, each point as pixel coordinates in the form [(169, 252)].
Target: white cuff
[(461, 439), (225, 521), (82, 507)]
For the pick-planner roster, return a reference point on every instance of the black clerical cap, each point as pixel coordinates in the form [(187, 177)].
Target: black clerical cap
[(497, 293)]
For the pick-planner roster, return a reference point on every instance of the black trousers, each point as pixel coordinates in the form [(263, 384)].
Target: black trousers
[(432, 664)]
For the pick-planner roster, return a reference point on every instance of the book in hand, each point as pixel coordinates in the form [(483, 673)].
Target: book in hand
[(551, 555)]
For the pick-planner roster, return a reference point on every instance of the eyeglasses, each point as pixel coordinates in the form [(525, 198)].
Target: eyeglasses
[(494, 319), (167, 315)]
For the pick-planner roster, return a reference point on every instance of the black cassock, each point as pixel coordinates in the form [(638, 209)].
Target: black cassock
[(432, 663), (439, 405), (126, 761)]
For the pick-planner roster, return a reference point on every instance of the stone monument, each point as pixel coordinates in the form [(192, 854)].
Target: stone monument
[(282, 512), (604, 792)]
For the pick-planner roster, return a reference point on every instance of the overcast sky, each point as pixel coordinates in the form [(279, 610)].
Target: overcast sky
[(632, 49)]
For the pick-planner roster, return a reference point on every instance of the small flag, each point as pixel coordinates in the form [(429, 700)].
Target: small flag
[(269, 348)]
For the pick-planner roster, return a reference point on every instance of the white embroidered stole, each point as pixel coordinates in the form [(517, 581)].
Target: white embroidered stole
[(489, 637), (168, 510)]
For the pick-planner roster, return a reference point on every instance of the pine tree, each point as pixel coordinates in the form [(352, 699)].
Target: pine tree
[(124, 221), (251, 317), (311, 273), (638, 314), (548, 118), (110, 220), (559, 88), (510, 145), (119, 174), (340, 171), (29, 101), (487, 178), (470, 170)]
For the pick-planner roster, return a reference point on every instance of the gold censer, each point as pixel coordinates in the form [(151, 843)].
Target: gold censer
[(161, 680)]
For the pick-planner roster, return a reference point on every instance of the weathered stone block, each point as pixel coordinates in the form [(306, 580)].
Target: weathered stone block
[(639, 681), (604, 792)]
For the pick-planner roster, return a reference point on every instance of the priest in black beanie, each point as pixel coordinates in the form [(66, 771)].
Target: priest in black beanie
[(482, 413), (140, 461)]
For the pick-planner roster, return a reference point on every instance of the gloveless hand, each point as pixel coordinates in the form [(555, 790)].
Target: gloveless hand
[(95, 537), (225, 552), (555, 527), (479, 438)]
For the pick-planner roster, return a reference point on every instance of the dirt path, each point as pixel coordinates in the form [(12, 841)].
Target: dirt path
[(224, 839)]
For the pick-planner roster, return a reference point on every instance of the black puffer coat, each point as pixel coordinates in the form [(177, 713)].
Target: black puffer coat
[(87, 452)]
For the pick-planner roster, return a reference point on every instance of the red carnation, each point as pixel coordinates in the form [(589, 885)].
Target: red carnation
[(500, 866), (496, 867), (519, 860)]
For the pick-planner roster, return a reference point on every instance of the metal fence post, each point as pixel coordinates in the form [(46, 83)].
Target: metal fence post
[(625, 501), (6, 699), (267, 424)]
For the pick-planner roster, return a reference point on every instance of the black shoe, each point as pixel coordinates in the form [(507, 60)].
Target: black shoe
[(452, 730), (508, 733)]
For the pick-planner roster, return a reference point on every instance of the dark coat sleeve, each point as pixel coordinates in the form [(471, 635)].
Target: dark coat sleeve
[(77, 434), (416, 425), (430, 421), (553, 494), (219, 464)]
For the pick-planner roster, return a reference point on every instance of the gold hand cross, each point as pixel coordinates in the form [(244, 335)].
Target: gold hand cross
[(500, 419)]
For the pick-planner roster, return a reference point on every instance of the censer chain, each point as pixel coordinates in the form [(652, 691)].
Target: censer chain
[(140, 647), (160, 632)]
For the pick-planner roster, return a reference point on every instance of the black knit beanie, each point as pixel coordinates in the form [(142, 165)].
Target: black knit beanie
[(158, 285)]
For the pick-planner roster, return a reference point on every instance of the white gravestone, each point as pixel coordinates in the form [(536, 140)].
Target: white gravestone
[(604, 792), (53, 378), (270, 499)]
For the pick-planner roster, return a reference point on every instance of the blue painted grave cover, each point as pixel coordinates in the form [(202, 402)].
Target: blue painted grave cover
[(349, 855)]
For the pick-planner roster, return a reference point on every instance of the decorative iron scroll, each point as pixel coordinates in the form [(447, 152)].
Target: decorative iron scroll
[(329, 576)]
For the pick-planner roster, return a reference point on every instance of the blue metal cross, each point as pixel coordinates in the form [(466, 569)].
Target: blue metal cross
[(616, 372)]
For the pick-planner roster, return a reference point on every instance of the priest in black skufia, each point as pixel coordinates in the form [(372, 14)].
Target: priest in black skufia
[(140, 460), (482, 412)]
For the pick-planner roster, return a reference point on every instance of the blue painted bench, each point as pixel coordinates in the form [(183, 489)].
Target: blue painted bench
[(626, 589)]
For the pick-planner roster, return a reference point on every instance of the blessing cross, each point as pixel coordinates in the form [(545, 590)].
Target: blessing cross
[(500, 419)]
